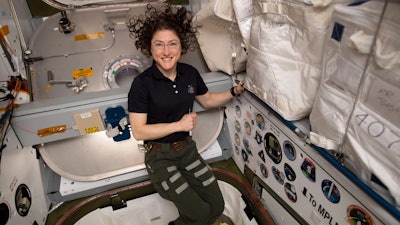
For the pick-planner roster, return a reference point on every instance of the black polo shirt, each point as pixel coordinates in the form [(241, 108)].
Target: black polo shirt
[(163, 100)]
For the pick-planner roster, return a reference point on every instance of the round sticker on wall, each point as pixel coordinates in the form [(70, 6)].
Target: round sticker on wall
[(258, 138), (237, 139), (330, 190), (238, 111), (279, 176), (247, 146), (290, 191), (236, 150), (308, 169), (247, 127), (237, 126), (289, 172), (289, 150), (358, 216), (263, 170), (261, 154), (245, 156), (273, 148), (260, 121)]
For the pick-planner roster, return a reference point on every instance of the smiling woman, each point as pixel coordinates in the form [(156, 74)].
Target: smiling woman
[(158, 103)]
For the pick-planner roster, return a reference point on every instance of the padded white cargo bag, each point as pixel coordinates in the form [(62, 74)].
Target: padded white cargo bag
[(373, 135), (357, 107), (285, 55), (239, 11), (372, 142), (342, 71), (345, 57), (220, 39)]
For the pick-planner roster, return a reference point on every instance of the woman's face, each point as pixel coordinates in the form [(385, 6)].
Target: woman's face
[(166, 50)]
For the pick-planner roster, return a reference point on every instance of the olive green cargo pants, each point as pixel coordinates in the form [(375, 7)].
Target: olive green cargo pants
[(184, 178)]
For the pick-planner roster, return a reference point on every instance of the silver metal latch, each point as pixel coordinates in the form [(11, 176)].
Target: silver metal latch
[(77, 85)]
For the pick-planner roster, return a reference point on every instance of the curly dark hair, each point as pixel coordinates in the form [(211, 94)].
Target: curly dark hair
[(177, 19)]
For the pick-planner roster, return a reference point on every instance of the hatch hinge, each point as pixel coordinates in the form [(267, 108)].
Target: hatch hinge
[(117, 202)]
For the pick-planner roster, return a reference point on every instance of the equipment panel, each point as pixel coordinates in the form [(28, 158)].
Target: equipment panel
[(304, 181)]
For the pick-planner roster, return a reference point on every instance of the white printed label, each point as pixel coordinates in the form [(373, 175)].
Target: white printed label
[(384, 98), (86, 115)]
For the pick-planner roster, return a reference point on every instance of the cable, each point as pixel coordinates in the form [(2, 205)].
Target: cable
[(5, 123)]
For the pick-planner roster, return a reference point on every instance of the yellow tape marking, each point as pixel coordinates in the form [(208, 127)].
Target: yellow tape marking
[(4, 31), (85, 72), (51, 130), (48, 88), (83, 37)]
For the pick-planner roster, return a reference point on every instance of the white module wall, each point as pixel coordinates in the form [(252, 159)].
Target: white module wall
[(299, 177)]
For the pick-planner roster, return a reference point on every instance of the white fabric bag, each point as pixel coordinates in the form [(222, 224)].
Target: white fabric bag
[(357, 109), (343, 67), (373, 135), (239, 11), (372, 143), (220, 39), (285, 54)]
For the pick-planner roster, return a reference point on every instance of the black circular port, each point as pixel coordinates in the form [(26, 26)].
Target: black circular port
[(4, 213)]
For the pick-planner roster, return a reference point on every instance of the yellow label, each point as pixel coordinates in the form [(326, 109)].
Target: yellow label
[(91, 130), (48, 88), (83, 37), (51, 130), (4, 31), (85, 72)]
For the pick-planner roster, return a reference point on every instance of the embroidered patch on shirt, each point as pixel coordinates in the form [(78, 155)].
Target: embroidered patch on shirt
[(190, 89)]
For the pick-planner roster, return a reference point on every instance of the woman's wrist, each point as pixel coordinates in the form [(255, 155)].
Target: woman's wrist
[(233, 92)]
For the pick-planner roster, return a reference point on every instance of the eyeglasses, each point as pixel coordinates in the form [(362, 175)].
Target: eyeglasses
[(171, 45)]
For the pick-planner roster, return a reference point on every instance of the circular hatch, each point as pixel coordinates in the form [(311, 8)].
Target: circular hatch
[(120, 71)]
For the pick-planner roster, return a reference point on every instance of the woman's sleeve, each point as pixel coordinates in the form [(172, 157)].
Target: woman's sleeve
[(138, 97)]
